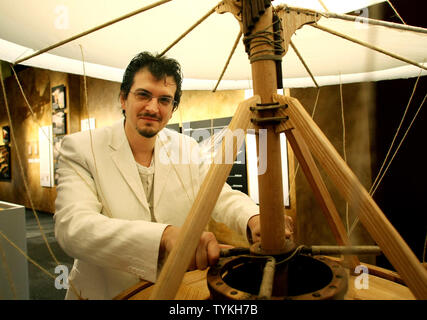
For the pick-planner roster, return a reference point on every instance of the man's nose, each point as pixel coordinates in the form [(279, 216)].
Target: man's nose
[(152, 105)]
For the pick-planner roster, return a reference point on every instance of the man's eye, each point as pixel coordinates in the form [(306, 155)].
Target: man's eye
[(165, 100), (144, 95)]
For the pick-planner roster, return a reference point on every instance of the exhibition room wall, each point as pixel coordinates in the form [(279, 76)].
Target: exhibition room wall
[(361, 126)]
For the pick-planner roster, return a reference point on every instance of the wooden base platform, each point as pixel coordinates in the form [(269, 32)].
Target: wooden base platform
[(194, 287)]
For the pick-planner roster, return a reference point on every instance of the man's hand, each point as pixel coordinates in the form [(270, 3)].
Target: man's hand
[(255, 228), (207, 252)]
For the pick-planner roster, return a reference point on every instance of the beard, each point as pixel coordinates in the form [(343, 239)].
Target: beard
[(147, 132)]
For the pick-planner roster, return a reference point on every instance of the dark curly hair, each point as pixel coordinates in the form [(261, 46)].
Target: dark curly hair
[(159, 66)]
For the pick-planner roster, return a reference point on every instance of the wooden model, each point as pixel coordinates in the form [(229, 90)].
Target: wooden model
[(267, 34)]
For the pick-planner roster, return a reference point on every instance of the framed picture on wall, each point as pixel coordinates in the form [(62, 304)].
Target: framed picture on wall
[(6, 134), (58, 122), (58, 97), (5, 172)]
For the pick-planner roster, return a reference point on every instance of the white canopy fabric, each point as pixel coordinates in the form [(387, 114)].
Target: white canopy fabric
[(27, 26)]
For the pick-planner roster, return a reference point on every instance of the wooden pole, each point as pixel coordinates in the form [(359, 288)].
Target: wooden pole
[(182, 36), (374, 220), (314, 178), (82, 34), (369, 46), (180, 257), (271, 204), (228, 60), (358, 19)]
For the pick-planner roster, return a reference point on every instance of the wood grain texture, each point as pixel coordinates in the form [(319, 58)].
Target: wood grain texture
[(378, 289), (180, 257), (320, 190), (194, 287), (371, 216), (270, 185), (292, 21)]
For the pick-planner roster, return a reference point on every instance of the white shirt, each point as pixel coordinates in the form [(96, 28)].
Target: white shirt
[(147, 179)]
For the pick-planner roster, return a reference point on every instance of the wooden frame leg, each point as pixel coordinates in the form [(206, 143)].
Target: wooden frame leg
[(180, 257), (320, 190), (371, 216)]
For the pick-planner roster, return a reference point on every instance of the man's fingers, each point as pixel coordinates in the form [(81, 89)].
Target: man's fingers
[(213, 252), (207, 252), (201, 256)]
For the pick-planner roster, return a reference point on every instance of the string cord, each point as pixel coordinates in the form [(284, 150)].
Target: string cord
[(395, 11), (24, 177), (103, 202), (26, 256), (21, 168), (7, 272), (380, 173), (347, 218), (262, 38), (356, 221), (64, 157), (401, 142)]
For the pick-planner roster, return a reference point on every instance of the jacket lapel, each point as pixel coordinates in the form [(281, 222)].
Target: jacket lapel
[(162, 166), (123, 159)]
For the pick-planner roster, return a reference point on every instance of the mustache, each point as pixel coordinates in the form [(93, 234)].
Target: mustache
[(150, 115)]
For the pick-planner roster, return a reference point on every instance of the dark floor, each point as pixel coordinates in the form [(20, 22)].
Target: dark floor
[(42, 286)]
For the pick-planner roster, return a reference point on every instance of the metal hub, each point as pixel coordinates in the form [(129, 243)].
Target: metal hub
[(292, 276)]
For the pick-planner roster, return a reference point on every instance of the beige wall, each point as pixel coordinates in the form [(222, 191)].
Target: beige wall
[(202, 105)]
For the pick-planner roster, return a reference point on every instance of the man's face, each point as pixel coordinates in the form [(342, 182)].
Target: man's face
[(148, 117)]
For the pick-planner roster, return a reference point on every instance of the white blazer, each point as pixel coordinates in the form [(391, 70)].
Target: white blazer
[(102, 218)]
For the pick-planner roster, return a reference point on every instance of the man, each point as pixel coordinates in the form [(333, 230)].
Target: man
[(120, 205)]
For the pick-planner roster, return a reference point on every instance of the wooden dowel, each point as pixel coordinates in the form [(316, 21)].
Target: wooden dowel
[(344, 250), (229, 58), (367, 45), (190, 29), (359, 19), (304, 64), (346, 182), (323, 5), (320, 190), (382, 23), (90, 31), (180, 257), (395, 11)]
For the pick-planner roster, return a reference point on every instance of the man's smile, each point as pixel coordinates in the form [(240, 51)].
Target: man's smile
[(149, 117)]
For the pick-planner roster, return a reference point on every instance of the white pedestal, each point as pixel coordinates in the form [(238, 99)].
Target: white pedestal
[(13, 265)]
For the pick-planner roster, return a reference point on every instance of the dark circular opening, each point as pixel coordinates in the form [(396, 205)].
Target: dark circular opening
[(245, 275), (305, 275)]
